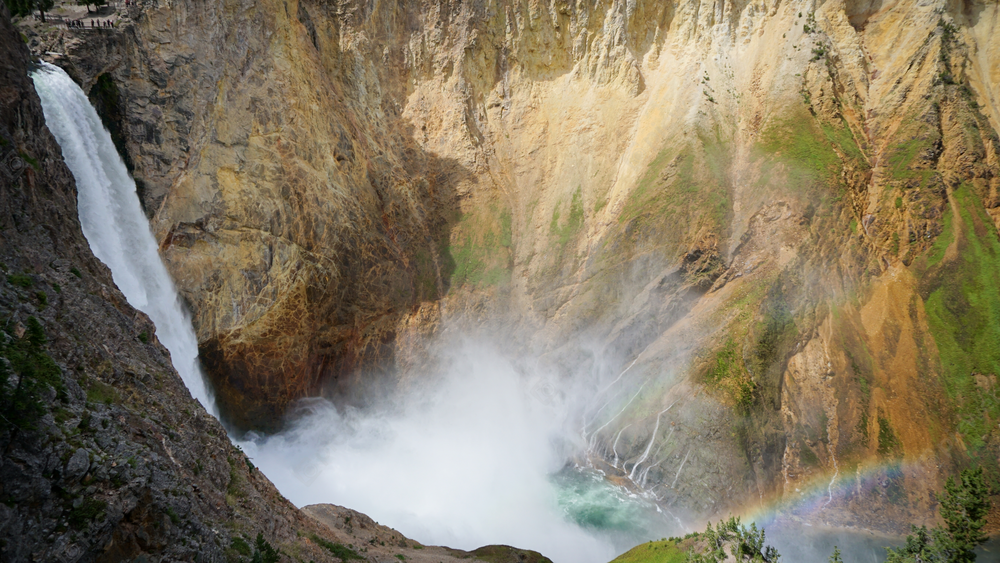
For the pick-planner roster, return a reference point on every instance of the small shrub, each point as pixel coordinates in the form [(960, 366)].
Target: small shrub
[(338, 550), (20, 280), (91, 509), (241, 546), (102, 393), (23, 405), (143, 337), (42, 298), (76, 272), (173, 515), (888, 443), (29, 159)]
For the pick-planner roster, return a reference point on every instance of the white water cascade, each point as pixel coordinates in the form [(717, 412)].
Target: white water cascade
[(113, 221)]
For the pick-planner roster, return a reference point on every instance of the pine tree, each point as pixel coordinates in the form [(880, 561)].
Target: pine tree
[(964, 505), (18, 7), (44, 6)]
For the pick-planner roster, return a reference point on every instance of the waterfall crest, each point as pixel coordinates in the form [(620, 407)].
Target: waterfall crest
[(113, 221)]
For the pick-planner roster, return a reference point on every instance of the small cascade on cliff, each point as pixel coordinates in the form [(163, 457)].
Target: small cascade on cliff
[(113, 221)]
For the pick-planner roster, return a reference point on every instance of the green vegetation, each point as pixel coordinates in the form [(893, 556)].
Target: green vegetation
[(24, 7), (480, 253), (27, 157), (234, 489), (340, 551), (76, 272), (43, 298), (888, 443), (88, 3), (663, 551), (808, 149), (101, 393), (239, 545), (172, 514), (862, 429), (729, 374), (819, 52), (506, 554), (26, 357), (743, 544), (564, 233), (20, 280), (144, 337), (263, 552), (675, 193), (810, 25), (963, 312), (964, 505), (808, 456), (89, 510)]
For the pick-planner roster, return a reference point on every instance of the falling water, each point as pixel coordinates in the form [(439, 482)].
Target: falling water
[(113, 221)]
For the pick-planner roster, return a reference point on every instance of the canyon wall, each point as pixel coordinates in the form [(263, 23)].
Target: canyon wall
[(784, 211)]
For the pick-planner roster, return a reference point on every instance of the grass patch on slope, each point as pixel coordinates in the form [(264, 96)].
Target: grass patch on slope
[(673, 190), (663, 551), (963, 312), (683, 194), (563, 232), (810, 149), (480, 251)]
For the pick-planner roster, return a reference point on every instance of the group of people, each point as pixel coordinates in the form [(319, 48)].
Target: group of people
[(79, 24)]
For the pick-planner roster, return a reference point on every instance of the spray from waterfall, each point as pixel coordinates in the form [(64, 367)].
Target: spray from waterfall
[(113, 221)]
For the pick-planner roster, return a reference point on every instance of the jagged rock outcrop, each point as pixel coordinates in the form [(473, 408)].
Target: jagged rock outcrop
[(786, 211)]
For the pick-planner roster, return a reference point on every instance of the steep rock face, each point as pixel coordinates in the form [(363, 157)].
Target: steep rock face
[(105, 455), (784, 212)]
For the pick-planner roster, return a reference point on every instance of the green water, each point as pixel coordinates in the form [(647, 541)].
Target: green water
[(611, 512)]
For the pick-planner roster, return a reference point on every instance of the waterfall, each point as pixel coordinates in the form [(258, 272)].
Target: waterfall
[(113, 221)]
